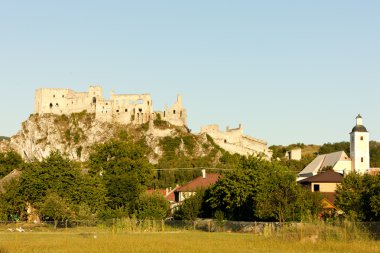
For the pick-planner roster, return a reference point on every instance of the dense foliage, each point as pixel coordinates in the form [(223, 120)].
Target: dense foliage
[(359, 197), (124, 170), (9, 161), (260, 190), (51, 181), (114, 182)]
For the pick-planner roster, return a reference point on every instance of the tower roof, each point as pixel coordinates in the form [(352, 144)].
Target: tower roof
[(359, 125), (359, 128)]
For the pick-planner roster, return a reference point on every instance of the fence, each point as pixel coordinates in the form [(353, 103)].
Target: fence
[(302, 231)]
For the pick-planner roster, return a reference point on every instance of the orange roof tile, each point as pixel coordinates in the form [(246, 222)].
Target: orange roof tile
[(200, 183)]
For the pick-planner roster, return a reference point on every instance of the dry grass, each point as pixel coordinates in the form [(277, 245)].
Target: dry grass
[(98, 240)]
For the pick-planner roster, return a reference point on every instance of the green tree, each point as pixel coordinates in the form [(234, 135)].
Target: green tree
[(335, 147), (124, 169), (358, 196), (259, 190), (281, 198), (54, 174), (191, 208), (152, 206), (9, 161), (55, 208)]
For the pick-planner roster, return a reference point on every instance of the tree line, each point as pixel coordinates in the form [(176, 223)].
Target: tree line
[(113, 183)]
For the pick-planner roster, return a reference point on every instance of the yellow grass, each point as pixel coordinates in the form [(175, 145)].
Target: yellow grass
[(99, 240)]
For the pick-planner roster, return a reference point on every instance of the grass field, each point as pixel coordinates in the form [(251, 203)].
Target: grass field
[(181, 242)]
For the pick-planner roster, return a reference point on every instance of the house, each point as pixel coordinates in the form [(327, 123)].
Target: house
[(337, 161), (199, 183), (325, 183)]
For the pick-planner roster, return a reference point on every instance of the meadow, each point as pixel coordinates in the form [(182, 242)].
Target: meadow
[(100, 240)]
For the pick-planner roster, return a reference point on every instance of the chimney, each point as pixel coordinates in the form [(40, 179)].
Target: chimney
[(203, 173)]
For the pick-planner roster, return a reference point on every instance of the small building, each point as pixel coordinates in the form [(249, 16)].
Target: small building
[(199, 183), (294, 154), (325, 183)]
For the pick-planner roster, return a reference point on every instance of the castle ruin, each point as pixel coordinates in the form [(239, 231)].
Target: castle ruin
[(235, 141), (123, 109)]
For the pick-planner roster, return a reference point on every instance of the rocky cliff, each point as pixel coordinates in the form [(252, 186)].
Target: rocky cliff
[(74, 135)]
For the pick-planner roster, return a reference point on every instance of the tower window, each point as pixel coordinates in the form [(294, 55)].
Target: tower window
[(362, 159), (316, 188), (361, 138)]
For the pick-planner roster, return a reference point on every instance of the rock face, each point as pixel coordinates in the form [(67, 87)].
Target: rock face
[(72, 135)]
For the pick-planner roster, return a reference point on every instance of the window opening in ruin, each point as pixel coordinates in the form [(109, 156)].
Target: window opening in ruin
[(51, 105), (94, 100), (316, 187), (106, 103), (164, 114), (225, 141), (140, 101), (140, 110), (117, 110), (126, 110), (53, 96), (63, 96), (56, 104), (148, 103), (180, 113), (173, 111)]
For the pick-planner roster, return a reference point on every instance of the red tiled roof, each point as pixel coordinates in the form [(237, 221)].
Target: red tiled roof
[(325, 177), (200, 183)]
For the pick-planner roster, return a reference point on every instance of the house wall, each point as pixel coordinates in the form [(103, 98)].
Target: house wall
[(294, 154), (343, 167), (325, 187), (185, 195)]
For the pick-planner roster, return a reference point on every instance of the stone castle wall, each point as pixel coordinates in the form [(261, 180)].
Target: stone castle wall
[(124, 109), (235, 141)]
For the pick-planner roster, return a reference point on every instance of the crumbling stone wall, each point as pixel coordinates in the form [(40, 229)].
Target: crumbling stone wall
[(123, 109), (235, 141)]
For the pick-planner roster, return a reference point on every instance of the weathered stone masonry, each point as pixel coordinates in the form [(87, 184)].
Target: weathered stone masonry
[(124, 109)]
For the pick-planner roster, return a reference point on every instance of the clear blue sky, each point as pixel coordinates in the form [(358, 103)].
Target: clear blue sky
[(289, 71)]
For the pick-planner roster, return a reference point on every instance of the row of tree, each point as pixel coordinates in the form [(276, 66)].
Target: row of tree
[(114, 183)]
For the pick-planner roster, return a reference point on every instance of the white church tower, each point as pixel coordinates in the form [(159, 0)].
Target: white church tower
[(359, 147)]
